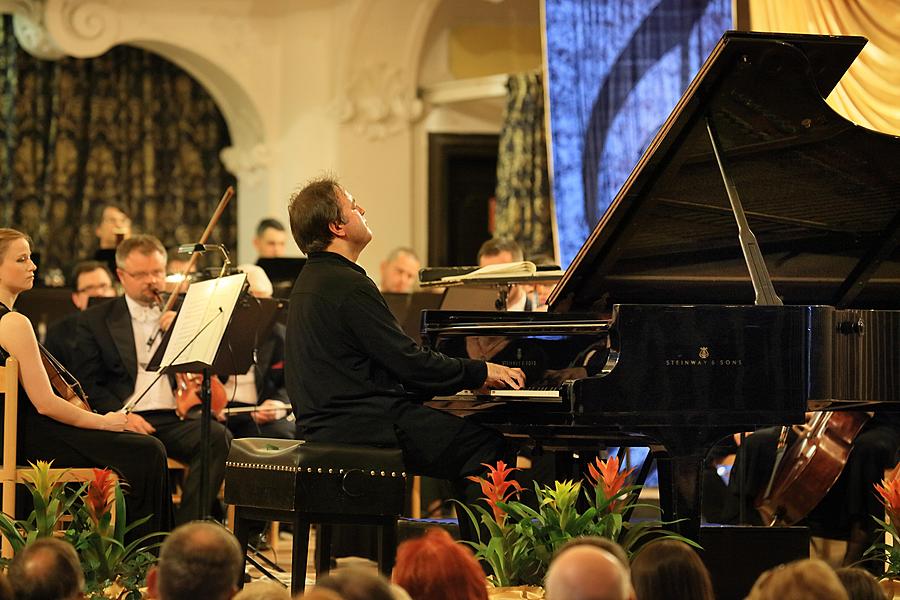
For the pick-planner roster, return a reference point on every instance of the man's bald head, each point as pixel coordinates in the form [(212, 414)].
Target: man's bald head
[(586, 572)]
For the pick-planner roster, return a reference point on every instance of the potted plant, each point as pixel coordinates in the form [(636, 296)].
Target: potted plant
[(889, 492), (521, 540), (112, 568)]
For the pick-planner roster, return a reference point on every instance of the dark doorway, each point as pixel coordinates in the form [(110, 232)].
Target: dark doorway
[(462, 177)]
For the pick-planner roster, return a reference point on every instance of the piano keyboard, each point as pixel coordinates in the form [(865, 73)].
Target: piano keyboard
[(538, 394)]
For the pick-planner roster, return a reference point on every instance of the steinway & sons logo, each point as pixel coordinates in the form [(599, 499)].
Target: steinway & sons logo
[(704, 359)]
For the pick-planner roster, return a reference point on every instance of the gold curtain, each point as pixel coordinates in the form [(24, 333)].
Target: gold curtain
[(127, 127), (523, 190), (869, 94)]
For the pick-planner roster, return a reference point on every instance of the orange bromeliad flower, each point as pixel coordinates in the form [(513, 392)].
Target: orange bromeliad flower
[(889, 490), (496, 488), (100, 494), (608, 478)]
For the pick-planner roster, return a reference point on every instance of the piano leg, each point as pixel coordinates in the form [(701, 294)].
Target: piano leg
[(679, 491)]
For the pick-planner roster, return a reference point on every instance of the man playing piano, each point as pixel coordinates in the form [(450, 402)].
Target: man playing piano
[(352, 373)]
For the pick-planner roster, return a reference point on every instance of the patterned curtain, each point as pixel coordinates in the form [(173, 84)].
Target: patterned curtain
[(523, 192), (128, 128), (868, 94)]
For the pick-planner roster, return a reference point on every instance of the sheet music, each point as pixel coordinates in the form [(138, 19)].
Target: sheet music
[(211, 302)]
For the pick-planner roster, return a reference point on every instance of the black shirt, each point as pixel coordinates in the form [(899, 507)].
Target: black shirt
[(350, 369)]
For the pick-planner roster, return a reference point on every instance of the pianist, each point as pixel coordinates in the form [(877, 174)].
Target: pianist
[(351, 371)]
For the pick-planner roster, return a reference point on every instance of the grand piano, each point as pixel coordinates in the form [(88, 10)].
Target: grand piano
[(670, 329)]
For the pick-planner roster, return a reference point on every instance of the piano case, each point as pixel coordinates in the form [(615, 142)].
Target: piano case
[(315, 477)]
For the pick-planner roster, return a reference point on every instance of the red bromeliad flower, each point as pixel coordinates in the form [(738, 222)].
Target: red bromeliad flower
[(889, 490), (100, 494), (496, 488), (608, 478)]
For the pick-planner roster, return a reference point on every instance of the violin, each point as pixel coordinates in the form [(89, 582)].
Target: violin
[(64, 383), (808, 468), (187, 394)]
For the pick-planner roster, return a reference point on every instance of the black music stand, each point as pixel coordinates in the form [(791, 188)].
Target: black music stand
[(251, 320)]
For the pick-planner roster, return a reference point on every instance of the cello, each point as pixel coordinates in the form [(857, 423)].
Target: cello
[(805, 471)]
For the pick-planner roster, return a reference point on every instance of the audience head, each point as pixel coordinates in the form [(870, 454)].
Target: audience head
[(270, 239), (141, 267), (356, 584), (586, 572), (198, 560), (263, 590), (860, 584), (400, 271), (6, 591), (318, 593), (435, 566), (499, 250), (91, 279), (46, 569), (113, 225), (669, 569), (808, 579)]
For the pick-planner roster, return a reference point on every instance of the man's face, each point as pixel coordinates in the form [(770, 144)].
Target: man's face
[(399, 275), (271, 243), (358, 232), (495, 259), (113, 224), (143, 276), (92, 284)]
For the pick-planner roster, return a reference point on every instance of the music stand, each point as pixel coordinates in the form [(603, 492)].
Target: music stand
[(198, 347)]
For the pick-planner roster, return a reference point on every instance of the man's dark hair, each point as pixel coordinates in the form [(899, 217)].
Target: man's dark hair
[(199, 560), (98, 216), (46, 569), (86, 266), (268, 224), (312, 210), (495, 246)]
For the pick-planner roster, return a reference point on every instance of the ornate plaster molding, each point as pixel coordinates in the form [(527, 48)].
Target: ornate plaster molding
[(83, 27), (379, 102), (248, 164), (30, 29)]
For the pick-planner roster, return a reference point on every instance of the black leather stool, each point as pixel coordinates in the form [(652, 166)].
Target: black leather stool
[(312, 482)]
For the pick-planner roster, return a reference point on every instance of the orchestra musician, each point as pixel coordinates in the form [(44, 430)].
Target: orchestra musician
[(847, 509), (350, 368), (50, 428), (90, 279), (400, 271), (113, 354)]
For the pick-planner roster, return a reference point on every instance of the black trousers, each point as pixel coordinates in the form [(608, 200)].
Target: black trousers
[(182, 441), (139, 460)]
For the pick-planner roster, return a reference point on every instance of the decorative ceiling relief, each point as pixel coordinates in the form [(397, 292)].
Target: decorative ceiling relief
[(51, 29), (30, 29), (379, 102), (250, 164)]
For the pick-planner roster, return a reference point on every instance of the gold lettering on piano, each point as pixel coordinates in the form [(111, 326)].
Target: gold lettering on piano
[(707, 362)]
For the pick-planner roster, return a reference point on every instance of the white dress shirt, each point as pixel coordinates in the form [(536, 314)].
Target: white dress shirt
[(145, 323)]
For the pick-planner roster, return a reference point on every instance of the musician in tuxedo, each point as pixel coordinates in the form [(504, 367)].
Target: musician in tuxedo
[(400, 271), (263, 385), (90, 279), (497, 251), (847, 509), (115, 343), (351, 370)]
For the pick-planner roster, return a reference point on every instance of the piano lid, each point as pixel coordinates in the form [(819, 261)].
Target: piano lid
[(821, 194)]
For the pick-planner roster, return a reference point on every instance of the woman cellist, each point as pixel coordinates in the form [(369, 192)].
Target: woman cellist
[(51, 428)]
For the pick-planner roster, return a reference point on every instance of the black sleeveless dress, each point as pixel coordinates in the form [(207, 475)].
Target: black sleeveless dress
[(139, 460)]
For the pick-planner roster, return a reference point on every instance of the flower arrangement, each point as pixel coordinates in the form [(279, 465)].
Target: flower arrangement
[(112, 568), (522, 540), (889, 492)]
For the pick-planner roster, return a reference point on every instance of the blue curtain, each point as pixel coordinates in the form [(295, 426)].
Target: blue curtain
[(616, 69)]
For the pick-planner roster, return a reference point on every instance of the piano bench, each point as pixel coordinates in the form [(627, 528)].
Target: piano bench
[(306, 483)]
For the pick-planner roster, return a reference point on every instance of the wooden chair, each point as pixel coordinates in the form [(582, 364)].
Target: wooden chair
[(10, 472)]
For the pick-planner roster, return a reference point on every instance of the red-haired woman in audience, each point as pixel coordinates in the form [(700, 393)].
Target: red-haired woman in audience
[(50, 428), (434, 567), (670, 570)]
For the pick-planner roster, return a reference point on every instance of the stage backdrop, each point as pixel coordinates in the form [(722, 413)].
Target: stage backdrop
[(616, 69)]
